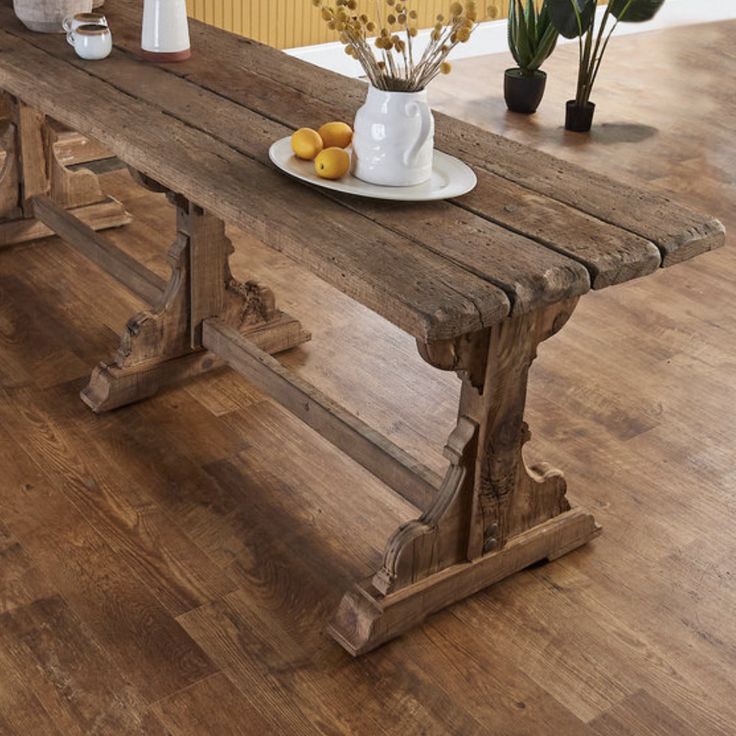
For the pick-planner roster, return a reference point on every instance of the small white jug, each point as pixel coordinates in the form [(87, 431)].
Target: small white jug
[(165, 34), (92, 42), (72, 22), (393, 142)]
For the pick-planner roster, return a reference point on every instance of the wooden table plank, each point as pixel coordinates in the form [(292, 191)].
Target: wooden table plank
[(424, 294), (611, 254), (679, 232), (221, 59), (531, 274)]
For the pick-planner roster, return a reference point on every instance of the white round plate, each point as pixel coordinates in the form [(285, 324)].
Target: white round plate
[(450, 177)]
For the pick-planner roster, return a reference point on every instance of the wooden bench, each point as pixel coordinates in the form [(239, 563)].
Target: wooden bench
[(479, 282)]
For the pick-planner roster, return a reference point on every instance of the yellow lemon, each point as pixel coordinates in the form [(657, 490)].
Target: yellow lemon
[(306, 143), (336, 134), (332, 163)]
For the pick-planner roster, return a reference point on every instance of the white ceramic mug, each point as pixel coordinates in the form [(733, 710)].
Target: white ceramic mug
[(72, 22), (91, 42), (393, 143)]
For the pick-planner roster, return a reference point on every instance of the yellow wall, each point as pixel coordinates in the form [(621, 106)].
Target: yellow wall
[(287, 23)]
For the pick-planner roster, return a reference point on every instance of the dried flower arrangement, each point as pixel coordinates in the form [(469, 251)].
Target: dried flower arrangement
[(394, 66)]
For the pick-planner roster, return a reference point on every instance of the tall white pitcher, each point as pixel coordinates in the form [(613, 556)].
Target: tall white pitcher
[(165, 34)]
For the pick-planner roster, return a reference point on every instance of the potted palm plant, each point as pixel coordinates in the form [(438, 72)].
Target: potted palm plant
[(532, 38), (577, 19)]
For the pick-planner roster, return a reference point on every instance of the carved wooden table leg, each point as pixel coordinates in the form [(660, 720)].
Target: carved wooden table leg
[(492, 515), (31, 168), (163, 345)]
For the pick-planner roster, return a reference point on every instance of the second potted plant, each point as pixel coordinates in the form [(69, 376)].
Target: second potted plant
[(532, 38), (577, 19)]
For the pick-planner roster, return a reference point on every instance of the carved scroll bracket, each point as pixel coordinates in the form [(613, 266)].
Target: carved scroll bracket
[(494, 364), (437, 539), (467, 355), (164, 344)]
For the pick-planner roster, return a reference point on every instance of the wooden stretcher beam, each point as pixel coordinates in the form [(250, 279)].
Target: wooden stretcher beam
[(377, 454), (129, 272)]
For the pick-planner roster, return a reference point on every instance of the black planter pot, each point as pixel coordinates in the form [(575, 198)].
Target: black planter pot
[(523, 92), (579, 118)]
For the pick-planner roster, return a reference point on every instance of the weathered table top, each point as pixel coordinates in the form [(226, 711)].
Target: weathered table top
[(535, 231)]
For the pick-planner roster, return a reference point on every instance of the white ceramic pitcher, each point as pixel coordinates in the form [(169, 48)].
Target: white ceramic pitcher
[(165, 33), (393, 142)]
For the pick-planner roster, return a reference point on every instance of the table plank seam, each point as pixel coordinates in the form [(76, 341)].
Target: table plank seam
[(593, 270), (711, 229), (580, 288)]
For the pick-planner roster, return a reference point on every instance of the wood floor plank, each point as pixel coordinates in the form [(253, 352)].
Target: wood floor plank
[(642, 715), (21, 711), (373, 509), (152, 650), (249, 662), (21, 582), (220, 395), (219, 504), (77, 688), (179, 574), (677, 652), (513, 704), (213, 706), (34, 350), (333, 692)]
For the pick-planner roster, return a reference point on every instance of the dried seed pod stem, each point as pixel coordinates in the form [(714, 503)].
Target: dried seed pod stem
[(385, 46)]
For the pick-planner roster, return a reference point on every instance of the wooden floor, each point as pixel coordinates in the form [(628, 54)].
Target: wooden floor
[(148, 582)]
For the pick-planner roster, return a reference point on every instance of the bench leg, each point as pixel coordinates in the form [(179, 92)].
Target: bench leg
[(163, 345), (493, 515), (30, 167)]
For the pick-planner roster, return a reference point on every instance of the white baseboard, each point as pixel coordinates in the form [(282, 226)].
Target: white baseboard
[(490, 37)]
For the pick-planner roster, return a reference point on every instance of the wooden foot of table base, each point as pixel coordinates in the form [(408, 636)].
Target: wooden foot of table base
[(111, 387), (163, 345), (366, 619), (493, 515), (31, 167)]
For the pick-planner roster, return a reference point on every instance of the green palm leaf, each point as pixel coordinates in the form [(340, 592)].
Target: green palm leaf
[(635, 11)]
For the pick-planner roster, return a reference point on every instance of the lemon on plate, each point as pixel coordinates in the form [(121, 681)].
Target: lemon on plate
[(332, 163), (306, 143), (336, 134)]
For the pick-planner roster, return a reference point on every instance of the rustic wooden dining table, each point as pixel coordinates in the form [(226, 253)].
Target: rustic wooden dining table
[(479, 282)]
